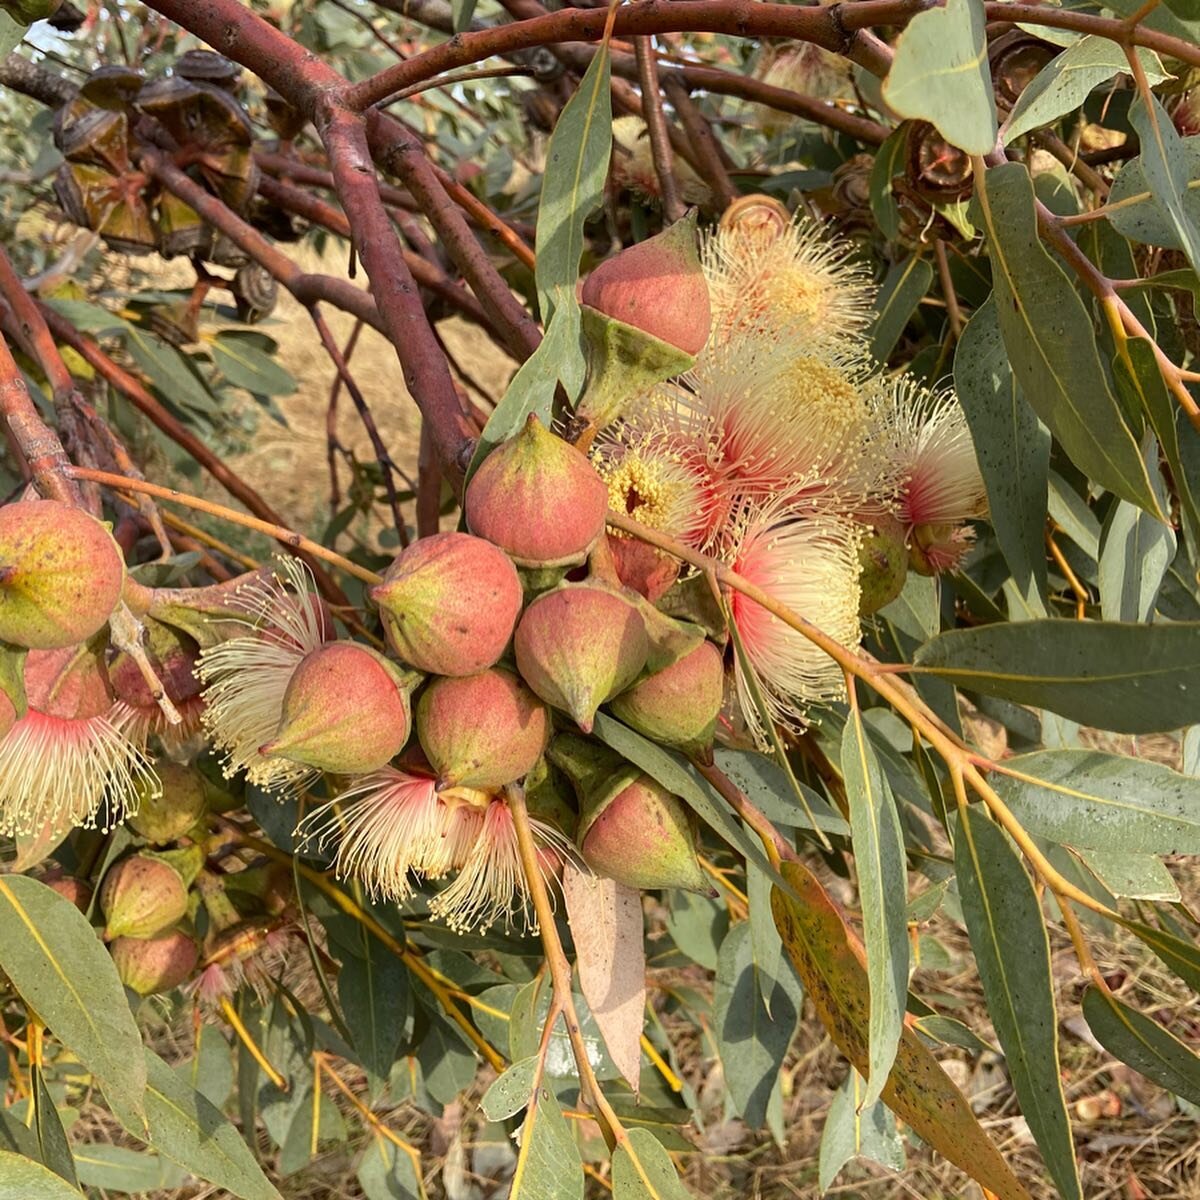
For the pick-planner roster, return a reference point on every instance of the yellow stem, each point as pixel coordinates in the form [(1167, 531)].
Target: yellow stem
[(231, 1015), (322, 1067), (661, 1065)]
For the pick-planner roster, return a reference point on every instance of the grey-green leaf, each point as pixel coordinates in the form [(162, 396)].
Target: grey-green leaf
[(24, 1179), (896, 302), (1132, 208), (1012, 950), (1135, 552), (387, 1173), (765, 783), (1134, 876), (1086, 798), (508, 1094), (940, 74), (188, 1129), (548, 1164), (374, 995), (1065, 82), (1126, 678), (1165, 172), (851, 1132), (1051, 344), (118, 1169), (1142, 1044), (752, 1036), (642, 1170), (1011, 444), (59, 967), (882, 886)]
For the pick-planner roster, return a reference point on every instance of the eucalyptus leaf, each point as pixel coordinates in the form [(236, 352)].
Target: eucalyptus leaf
[(853, 1130), (1133, 209), (641, 1170), (902, 289), (23, 1179), (940, 74), (1167, 174), (1134, 876), (1012, 951), (1048, 334), (1122, 677)]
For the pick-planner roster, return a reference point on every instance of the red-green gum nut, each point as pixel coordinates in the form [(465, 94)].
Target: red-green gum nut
[(678, 705), (657, 286), (60, 574), (641, 567), (140, 897), (69, 888), (450, 603), (538, 499), (643, 838), (884, 558), (580, 645), (165, 815), (8, 713), (150, 966), (345, 711), (481, 731)]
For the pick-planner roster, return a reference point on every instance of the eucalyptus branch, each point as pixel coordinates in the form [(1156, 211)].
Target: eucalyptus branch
[(656, 127)]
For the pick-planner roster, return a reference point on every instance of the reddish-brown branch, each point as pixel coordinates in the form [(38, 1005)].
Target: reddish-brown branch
[(386, 465), (312, 208), (704, 145), (399, 151), (38, 444), (425, 370), (656, 128), (429, 487), (747, 18)]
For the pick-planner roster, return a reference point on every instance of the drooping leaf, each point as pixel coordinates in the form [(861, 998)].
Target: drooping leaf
[(1012, 951), (1135, 552), (1142, 1044), (169, 371), (1134, 876), (641, 1170), (606, 927), (1127, 678), (889, 162), (1107, 801), (548, 1163), (1166, 175), (1133, 209), (1063, 84), (247, 363), (24, 1179), (59, 966), (882, 885), (752, 1037), (828, 960), (55, 1150), (898, 297), (118, 1169), (940, 74), (386, 1172), (374, 995), (852, 1131), (1051, 344), (188, 1129), (1011, 444)]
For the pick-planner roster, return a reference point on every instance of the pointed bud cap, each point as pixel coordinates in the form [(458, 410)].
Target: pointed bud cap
[(481, 731), (60, 574), (344, 711), (678, 705), (643, 838), (884, 558), (538, 499), (450, 603), (580, 645), (658, 287), (150, 966), (165, 815), (140, 897)]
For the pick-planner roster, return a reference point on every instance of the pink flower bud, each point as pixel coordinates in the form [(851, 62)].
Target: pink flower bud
[(60, 574), (481, 731), (658, 287), (153, 965), (449, 603), (166, 814), (140, 897), (538, 499), (678, 705), (344, 711), (579, 645)]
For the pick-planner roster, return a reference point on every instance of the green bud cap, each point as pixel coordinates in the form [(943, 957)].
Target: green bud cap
[(678, 705), (150, 966), (450, 603), (140, 897), (60, 574), (643, 838), (164, 816), (481, 731), (580, 645), (344, 711), (538, 499), (884, 559)]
